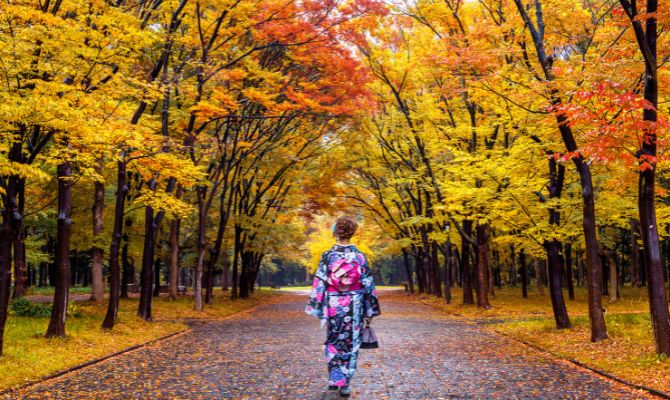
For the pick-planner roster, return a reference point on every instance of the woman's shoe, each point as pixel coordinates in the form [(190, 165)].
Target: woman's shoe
[(345, 392)]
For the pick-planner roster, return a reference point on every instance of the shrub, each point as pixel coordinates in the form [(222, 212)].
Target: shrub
[(26, 308)]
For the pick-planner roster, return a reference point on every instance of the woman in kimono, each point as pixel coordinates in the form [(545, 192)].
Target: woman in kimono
[(344, 298)]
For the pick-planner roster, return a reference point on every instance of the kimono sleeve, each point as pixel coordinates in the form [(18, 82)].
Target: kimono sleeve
[(371, 302), (316, 301)]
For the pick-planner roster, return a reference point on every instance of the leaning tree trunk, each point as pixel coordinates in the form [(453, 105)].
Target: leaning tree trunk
[(482, 266), (117, 232), (62, 256), (466, 273), (97, 253)]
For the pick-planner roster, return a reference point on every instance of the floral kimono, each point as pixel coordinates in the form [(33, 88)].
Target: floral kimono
[(343, 294)]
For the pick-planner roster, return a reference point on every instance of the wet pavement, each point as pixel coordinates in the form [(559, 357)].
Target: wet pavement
[(274, 352)]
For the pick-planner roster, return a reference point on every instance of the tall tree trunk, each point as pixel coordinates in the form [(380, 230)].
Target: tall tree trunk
[(567, 251), (147, 271), (11, 219), (236, 258), (20, 269), (408, 271), (117, 232), (647, 37), (447, 272), (553, 248), (466, 274), (128, 271), (636, 280), (20, 266), (62, 256), (202, 221), (523, 269), (157, 277), (538, 265), (225, 271), (435, 267), (174, 259), (97, 253), (482, 266)]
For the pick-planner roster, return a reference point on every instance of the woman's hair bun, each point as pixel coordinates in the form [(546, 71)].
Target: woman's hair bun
[(345, 228)]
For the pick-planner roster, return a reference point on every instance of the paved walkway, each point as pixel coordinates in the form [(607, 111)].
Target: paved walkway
[(274, 352)]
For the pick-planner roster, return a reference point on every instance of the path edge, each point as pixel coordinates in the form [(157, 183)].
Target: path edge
[(57, 374), (595, 370)]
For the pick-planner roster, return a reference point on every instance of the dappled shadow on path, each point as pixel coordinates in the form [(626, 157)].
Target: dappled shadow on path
[(274, 352)]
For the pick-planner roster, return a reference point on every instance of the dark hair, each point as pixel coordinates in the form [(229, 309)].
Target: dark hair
[(345, 228)]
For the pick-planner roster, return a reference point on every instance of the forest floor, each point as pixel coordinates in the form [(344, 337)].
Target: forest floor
[(274, 351), (28, 356), (628, 353)]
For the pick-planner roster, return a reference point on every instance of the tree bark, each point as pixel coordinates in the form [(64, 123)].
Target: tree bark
[(408, 271), (481, 268), (147, 271), (466, 275), (523, 269), (56, 326), (567, 251), (174, 259), (97, 253), (117, 232), (538, 276), (555, 287), (20, 266)]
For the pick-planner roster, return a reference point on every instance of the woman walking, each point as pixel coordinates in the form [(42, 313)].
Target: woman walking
[(344, 298)]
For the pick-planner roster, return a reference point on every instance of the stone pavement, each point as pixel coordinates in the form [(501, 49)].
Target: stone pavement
[(274, 352)]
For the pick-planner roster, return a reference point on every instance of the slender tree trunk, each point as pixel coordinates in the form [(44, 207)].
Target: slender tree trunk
[(635, 253), (225, 273), (482, 266), (11, 219), (202, 221), (524, 274), (97, 253), (128, 271), (466, 274), (538, 275), (555, 288), (408, 271), (147, 271), (174, 259), (435, 267), (117, 232), (236, 257), (447, 272), (567, 250), (62, 256), (157, 277), (20, 266), (20, 270)]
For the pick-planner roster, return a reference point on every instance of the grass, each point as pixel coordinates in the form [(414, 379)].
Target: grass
[(628, 353), (48, 290), (29, 356)]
